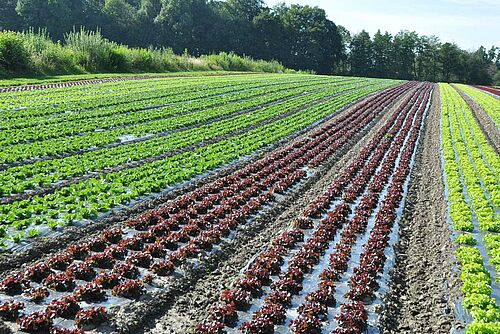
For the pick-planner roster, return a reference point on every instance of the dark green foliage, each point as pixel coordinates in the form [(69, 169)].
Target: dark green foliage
[(360, 57), (34, 53), (8, 16), (412, 57), (13, 54), (311, 40), (301, 37)]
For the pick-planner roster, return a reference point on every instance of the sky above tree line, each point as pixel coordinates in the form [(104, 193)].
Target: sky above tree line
[(469, 23)]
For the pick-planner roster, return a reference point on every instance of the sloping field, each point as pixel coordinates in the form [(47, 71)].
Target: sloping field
[(254, 203)]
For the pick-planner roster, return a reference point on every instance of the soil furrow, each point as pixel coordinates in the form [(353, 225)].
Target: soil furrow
[(425, 282)]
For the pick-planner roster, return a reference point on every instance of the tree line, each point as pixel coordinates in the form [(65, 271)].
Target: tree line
[(300, 37), (407, 55)]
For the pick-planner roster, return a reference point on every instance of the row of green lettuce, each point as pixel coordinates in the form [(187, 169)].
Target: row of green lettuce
[(18, 179), (129, 119), (67, 78), (472, 170), (146, 121), (38, 103), (79, 104)]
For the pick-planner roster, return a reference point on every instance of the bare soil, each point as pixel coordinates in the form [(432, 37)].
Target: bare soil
[(425, 284)]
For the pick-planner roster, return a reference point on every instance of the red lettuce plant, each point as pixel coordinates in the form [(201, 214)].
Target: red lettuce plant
[(60, 261), (113, 235), (140, 259), (352, 319), (38, 271), (98, 244), (101, 260), (90, 292), (81, 270), (37, 295), (62, 330), (225, 313), (116, 252), (108, 280), (130, 289), (239, 297), (89, 319), (60, 282), (10, 310), (306, 324), (133, 243), (251, 284), (162, 268), (79, 251), (65, 307), (13, 284), (258, 326), (126, 270), (37, 322), (210, 327), (156, 251)]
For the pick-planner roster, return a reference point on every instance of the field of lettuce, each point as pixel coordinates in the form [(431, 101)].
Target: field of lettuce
[(249, 203)]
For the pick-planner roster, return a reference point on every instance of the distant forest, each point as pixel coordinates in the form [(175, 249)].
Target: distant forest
[(300, 37)]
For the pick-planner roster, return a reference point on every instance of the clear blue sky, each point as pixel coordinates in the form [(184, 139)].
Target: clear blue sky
[(469, 23)]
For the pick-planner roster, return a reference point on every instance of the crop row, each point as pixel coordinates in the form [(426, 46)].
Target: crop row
[(363, 282), (489, 89), (264, 269), (209, 92), (25, 88), (489, 103), (314, 307), (126, 100), (101, 119), (57, 103), (163, 97), (40, 98), (73, 144), (45, 172), (167, 95), (158, 241), (40, 105), (471, 168), (90, 197)]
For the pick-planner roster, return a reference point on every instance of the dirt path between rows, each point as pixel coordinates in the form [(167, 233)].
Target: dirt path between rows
[(490, 130), (192, 307), (425, 284)]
